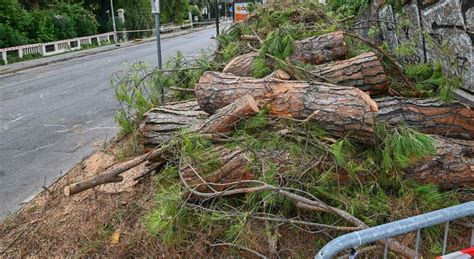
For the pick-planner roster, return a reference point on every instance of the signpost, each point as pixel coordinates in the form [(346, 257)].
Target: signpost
[(155, 9)]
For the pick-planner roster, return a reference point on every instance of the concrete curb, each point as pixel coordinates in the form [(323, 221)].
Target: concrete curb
[(98, 50)]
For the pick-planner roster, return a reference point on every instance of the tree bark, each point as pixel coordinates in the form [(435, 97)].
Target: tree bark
[(363, 71), (319, 49), (451, 167), (241, 65), (342, 111), (314, 50), (225, 118), (428, 115), (163, 122)]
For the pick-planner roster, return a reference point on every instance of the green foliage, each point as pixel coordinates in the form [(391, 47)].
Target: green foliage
[(402, 146), (260, 68), (175, 11), (345, 8), (138, 16), (57, 21), (138, 88), (431, 81)]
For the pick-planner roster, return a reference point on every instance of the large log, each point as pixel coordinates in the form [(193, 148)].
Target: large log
[(241, 65), (363, 71), (451, 167), (313, 50), (342, 111), (428, 115), (163, 122), (320, 49)]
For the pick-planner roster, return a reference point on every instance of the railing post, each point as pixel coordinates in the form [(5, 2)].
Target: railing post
[(472, 235), (98, 40), (43, 50), (20, 52), (4, 57), (445, 238), (79, 43)]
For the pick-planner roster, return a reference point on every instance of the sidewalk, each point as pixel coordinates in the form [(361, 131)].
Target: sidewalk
[(15, 67)]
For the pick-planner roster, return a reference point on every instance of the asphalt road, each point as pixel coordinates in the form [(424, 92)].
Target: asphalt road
[(51, 117)]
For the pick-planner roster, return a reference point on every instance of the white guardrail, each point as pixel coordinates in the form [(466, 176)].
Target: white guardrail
[(61, 46)]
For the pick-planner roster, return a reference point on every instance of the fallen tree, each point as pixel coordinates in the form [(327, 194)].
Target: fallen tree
[(340, 110), (363, 71), (428, 115), (313, 50)]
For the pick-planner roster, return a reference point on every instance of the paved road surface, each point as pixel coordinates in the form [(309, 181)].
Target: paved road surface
[(53, 116)]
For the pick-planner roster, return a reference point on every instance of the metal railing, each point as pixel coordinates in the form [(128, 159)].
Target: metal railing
[(61, 46), (385, 231)]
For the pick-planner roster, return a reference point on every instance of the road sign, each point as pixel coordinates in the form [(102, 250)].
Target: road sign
[(155, 6)]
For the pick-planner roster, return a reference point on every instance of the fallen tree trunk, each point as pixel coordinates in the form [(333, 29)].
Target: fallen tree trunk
[(241, 65), (342, 111), (320, 49), (314, 50), (163, 122), (427, 115), (451, 167), (363, 71), (222, 120)]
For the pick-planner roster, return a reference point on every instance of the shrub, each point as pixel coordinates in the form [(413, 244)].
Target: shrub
[(11, 37)]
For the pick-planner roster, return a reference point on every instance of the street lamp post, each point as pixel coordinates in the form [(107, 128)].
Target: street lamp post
[(113, 21)]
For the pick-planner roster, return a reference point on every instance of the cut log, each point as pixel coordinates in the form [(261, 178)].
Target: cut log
[(163, 122), (363, 71), (342, 111), (225, 119), (216, 122), (428, 115), (451, 167), (320, 49), (241, 65), (314, 50)]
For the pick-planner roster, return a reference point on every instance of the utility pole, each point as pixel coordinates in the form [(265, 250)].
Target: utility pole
[(113, 21), (217, 18)]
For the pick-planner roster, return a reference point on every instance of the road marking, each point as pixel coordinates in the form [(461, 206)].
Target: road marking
[(32, 151)]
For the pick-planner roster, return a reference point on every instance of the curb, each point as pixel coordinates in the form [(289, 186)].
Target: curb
[(91, 52)]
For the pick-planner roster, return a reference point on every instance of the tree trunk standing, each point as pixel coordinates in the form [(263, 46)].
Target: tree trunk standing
[(427, 115), (161, 123), (451, 167), (363, 71), (339, 110), (320, 49)]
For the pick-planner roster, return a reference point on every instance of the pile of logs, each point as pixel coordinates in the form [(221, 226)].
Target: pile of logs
[(348, 100)]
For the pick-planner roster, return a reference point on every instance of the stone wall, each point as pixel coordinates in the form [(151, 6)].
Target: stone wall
[(428, 25)]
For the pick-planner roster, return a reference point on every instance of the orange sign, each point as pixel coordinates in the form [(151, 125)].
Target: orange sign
[(241, 11)]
